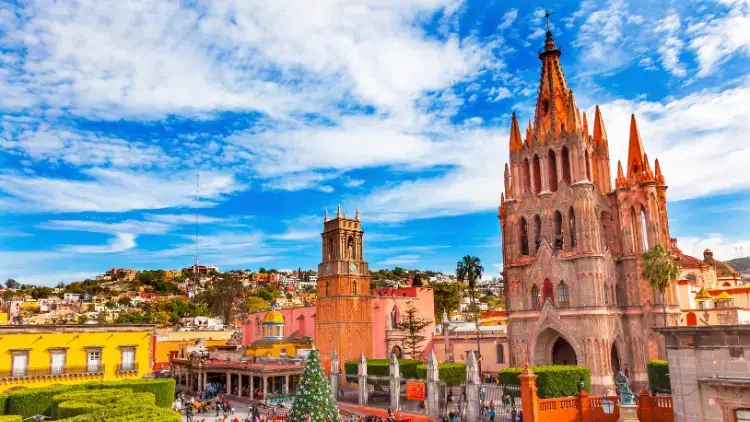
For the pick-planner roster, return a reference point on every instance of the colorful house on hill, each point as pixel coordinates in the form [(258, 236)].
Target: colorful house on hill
[(274, 343), (43, 355)]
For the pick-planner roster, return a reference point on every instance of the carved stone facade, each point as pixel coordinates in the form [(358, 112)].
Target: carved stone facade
[(344, 313), (571, 243)]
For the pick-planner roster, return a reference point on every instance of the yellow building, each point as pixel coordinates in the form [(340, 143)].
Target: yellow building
[(169, 344), (42, 355), (274, 344)]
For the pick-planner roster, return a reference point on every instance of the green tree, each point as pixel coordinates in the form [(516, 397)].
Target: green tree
[(249, 305), (83, 318), (414, 326), (101, 318), (417, 281), (220, 295), (11, 283), (469, 269), (161, 318), (313, 396), (447, 299), (659, 268), (124, 301)]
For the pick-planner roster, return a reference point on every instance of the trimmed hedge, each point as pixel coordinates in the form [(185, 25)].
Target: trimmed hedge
[(451, 373), (128, 414), (658, 376), (161, 388), (34, 401), (553, 381), (68, 409), (89, 396), (3, 404), (10, 418), (381, 367)]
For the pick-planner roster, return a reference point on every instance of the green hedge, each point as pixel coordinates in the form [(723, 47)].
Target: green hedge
[(381, 367), (161, 388), (450, 373), (128, 414), (34, 401), (89, 396), (68, 409), (10, 418), (3, 404), (658, 376), (553, 381)]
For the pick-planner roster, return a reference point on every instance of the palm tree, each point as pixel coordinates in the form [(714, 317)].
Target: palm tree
[(659, 268), (469, 269)]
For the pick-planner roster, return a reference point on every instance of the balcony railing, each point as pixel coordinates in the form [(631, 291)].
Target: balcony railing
[(54, 371), (128, 367)]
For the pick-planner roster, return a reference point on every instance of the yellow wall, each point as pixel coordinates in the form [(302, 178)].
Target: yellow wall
[(74, 338), (3, 318), (274, 350)]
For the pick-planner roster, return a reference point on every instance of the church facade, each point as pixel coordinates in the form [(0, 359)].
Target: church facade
[(571, 240)]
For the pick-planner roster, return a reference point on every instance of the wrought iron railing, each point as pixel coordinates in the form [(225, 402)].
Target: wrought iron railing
[(127, 367), (52, 371)]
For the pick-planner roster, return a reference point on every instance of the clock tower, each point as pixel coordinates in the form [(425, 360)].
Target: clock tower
[(343, 319)]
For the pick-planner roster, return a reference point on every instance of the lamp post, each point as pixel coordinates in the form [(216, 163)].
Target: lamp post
[(608, 406)]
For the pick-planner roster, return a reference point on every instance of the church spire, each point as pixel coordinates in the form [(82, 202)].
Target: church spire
[(573, 125), (529, 134), (659, 177), (325, 217), (620, 181), (600, 134), (585, 126), (635, 149), (552, 100), (515, 135), (338, 212)]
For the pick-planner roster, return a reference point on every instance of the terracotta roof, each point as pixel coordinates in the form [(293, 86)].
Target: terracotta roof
[(687, 261)]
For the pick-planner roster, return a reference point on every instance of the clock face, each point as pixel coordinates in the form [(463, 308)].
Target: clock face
[(352, 267)]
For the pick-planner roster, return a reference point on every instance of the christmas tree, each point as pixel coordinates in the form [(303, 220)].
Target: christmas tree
[(313, 396)]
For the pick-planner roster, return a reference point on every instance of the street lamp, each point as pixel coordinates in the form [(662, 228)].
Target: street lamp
[(608, 406)]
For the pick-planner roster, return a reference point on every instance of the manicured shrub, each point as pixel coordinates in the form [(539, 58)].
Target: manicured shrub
[(658, 376), (128, 414), (553, 381), (90, 396), (10, 418), (3, 404), (381, 367), (68, 409), (34, 401), (450, 373), (162, 388)]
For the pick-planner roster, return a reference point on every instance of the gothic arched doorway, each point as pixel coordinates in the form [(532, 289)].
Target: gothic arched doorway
[(614, 359), (396, 351), (563, 353)]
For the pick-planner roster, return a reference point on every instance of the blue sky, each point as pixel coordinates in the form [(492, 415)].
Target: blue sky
[(398, 107)]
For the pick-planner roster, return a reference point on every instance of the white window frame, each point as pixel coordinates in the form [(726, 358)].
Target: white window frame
[(57, 369), (17, 371), (89, 362), (125, 365)]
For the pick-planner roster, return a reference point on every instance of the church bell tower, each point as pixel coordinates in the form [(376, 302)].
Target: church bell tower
[(344, 312)]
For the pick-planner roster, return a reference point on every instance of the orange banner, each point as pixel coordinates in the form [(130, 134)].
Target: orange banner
[(414, 390)]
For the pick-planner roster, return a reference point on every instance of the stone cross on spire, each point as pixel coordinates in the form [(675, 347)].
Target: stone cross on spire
[(547, 14)]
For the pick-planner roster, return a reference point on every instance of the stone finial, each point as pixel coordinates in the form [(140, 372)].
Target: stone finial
[(334, 361), (362, 366), (356, 214), (394, 366), (433, 372), (515, 142), (472, 369), (338, 212), (325, 217), (445, 316)]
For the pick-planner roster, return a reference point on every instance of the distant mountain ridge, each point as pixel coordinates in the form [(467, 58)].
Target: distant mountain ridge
[(740, 264)]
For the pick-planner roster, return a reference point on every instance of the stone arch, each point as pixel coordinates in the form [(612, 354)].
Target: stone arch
[(537, 231), (634, 231), (691, 319), (534, 296), (645, 244), (523, 238), (526, 174), (607, 230), (395, 318), (563, 295), (572, 227), (565, 159), (548, 291), (351, 251), (354, 288), (537, 175), (557, 230), (330, 249), (551, 340), (552, 170)]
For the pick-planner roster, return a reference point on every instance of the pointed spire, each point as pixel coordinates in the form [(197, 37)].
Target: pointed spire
[(647, 173), (573, 124), (356, 214), (635, 148), (620, 181), (472, 369), (502, 198), (325, 218), (529, 134), (585, 125), (659, 177), (600, 134), (433, 371), (515, 135), (338, 212)]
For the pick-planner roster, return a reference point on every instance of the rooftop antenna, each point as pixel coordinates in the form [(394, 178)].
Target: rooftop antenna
[(197, 217)]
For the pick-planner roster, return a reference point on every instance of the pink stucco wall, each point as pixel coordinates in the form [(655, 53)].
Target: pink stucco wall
[(296, 320), (383, 303), (492, 345)]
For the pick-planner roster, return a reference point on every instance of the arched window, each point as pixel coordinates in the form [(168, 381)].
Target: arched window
[(394, 318), (588, 166), (644, 231), (330, 249), (562, 295), (537, 231), (690, 277), (565, 165), (328, 288), (606, 294), (692, 320), (634, 230), (557, 230), (351, 253), (607, 231), (572, 227), (500, 353), (619, 296), (523, 237), (526, 174), (354, 288), (537, 176), (552, 170), (547, 291), (534, 297)]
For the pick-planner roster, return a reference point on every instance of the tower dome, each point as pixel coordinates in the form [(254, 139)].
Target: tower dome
[(273, 325)]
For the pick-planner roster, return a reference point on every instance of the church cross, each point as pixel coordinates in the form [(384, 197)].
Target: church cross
[(547, 14)]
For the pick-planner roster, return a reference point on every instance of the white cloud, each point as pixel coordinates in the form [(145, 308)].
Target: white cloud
[(716, 40), (400, 260), (110, 190), (508, 18), (182, 219), (724, 249), (672, 45), (126, 226), (120, 243), (302, 180)]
